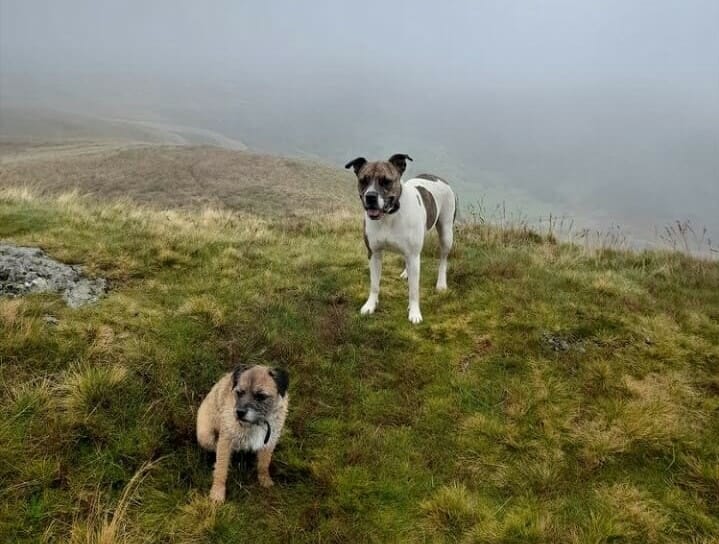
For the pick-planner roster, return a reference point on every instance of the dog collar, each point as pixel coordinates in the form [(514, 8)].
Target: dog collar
[(394, 208), (269, 432), (395, 205)]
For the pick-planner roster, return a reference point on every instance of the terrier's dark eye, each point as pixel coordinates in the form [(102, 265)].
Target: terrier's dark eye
[(240, 393), (384, 182), (259, 396)]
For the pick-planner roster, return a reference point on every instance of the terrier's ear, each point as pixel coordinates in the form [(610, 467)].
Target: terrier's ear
[(282, 379), (399, 161), (239, 369), (357, 164)]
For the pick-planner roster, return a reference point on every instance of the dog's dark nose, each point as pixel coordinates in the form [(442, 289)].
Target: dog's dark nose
[(370, 198), (241, 412)]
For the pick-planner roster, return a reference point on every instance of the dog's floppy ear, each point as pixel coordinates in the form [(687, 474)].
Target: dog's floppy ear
[(239, 369), (282, 379), (357, 164), (399, 161)]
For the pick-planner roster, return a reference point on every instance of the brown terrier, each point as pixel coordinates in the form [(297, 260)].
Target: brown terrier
[(244, 411)]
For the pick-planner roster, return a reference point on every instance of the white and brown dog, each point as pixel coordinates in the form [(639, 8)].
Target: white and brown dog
[(399, 216)]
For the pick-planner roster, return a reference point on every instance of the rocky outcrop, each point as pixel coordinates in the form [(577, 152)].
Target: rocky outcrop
[(25, 270)]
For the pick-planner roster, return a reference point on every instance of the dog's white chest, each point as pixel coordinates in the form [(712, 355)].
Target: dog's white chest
[(402, 232), (384, 236), (252, 440)]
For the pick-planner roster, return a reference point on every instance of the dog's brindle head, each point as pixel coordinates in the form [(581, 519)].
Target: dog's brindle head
[(379, 183), (257, 391)]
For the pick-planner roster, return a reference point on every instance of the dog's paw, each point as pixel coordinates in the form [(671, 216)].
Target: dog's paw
[(217, 493), (265, 481), (369, 307), (415, 316), (441, 287), (403, 275)]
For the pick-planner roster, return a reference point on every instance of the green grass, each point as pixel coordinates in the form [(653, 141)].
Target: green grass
[(552, 395)]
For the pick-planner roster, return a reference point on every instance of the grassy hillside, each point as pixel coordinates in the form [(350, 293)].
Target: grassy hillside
[(552, 395), (178, 176), (43, 125)]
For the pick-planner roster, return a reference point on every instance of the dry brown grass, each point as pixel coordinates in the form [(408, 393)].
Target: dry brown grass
[(638, 516), (198, 177), (203, 306), (10, 311), (657, 413), (107, 524)]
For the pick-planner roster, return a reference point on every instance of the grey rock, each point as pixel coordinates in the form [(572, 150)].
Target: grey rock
[(25, 270), (562, 343)]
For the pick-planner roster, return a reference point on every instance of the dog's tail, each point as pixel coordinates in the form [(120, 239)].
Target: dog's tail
[(456, 208)]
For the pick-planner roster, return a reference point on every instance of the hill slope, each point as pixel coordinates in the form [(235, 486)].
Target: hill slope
[(178, 176), (43, 125), (552, 395)]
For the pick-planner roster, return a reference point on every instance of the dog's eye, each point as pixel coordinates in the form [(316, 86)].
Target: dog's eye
[(240, 393), (261, 396), (384, 182)]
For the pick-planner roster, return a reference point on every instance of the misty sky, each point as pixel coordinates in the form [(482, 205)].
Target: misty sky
[(554, 43), (579, 106)]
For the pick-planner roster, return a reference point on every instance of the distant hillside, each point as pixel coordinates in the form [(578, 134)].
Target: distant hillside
[(178, 176), (49, 125)]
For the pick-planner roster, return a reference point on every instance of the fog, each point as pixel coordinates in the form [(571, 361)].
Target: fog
[(604, 111)]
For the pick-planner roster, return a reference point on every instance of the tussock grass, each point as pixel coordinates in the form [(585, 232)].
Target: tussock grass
[(10, 311), (83, 390), (556, 392), (657, 414), (109, 525), (203, 306)]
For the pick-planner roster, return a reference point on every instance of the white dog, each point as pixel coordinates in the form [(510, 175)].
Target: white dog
[(399, 215)]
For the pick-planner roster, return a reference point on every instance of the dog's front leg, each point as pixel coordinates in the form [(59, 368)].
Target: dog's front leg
[(264, 456), (223, 454), (415, 316), (375, 273)]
